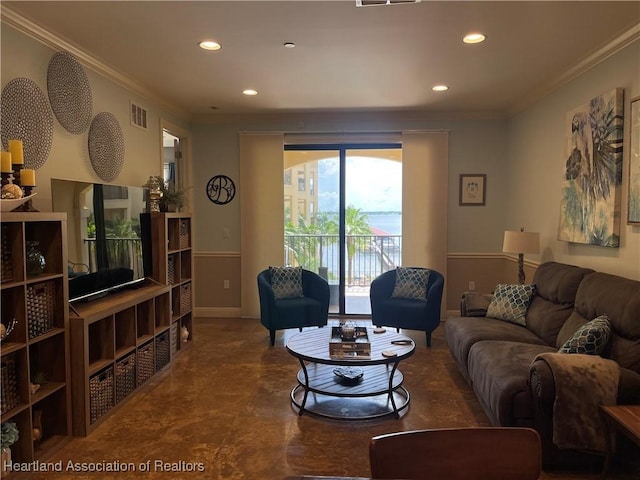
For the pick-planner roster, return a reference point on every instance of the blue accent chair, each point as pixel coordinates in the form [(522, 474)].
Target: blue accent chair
[(402, 312), (308, 311)]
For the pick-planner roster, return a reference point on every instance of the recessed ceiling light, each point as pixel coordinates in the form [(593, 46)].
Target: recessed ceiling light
[(474, 38), (250, 91), (289, 45), (440, 88), (210, 45)]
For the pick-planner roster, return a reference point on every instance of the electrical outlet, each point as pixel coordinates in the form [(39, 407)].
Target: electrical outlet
[(472, 285), (226, 233), (226, 284)]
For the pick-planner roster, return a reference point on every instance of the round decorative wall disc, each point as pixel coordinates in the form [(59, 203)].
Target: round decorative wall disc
[(106, 146), (69, 92), (221, 189), (25, 115)]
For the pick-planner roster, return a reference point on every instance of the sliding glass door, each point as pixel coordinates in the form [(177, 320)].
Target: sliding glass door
[(343, 219)]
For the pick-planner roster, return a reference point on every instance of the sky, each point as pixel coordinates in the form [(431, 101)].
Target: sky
[(373, 184)]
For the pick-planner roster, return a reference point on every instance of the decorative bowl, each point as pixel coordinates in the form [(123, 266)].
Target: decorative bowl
[(9, 204)]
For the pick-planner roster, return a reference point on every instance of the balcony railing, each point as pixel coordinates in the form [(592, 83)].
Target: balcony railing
[(121, 252), (366, 256)]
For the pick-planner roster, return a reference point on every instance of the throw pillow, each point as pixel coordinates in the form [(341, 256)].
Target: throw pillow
[(411, 283), (591, 338), (286, 282), (510, 302)]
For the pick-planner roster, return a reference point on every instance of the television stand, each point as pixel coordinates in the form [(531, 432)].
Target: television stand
[(118, 342)]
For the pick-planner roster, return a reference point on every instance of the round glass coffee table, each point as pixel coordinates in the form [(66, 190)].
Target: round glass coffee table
[(350, 387)]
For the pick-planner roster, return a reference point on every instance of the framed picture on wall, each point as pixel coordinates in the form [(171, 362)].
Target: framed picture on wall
[(634, 164), (473, 189)]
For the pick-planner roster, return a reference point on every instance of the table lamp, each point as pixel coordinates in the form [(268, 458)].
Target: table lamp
[(521, 242)]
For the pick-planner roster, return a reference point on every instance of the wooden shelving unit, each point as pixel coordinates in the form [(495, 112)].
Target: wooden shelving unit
[(173, 265), (118, 342), (38, 345)]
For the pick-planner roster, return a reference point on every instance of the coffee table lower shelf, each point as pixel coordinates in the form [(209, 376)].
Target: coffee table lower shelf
[(326, 395)]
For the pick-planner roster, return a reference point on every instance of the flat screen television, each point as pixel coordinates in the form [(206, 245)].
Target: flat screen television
[(108, 236)]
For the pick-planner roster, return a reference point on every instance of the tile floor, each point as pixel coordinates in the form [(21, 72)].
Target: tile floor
[(224, 408)]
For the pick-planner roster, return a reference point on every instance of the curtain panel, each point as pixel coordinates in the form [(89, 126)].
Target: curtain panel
[(425, 180), (261, 212)]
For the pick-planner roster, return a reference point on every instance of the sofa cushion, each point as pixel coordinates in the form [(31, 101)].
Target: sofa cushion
[(286, 282), (411, 283), (590, 339), (499, 374), (618, 298), (510, 302), (462, 332), (556, 288)]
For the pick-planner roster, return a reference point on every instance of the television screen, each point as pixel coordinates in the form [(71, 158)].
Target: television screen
[(108, 236)]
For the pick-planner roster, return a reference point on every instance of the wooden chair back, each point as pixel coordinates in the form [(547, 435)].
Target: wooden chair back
[(484, 453)]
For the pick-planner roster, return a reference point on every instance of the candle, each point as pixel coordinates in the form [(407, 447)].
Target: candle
[(28, 177), (6, 162), (17, 156)]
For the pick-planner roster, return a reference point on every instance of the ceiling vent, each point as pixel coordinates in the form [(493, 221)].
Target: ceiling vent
[(138, 116), (372, 3)]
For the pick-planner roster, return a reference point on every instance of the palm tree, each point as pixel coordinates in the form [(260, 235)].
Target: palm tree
[(355, 223)]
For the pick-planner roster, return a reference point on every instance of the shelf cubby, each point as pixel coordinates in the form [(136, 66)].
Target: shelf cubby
[(38, 346), (163, 312), (50, 416), (12, 234), (145, 321), (125, 331), (101, 347), (44, 361), (112, 342), (13, 307)]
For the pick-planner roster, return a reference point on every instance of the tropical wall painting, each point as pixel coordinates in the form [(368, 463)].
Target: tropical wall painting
[(634, 164), (591, 190)]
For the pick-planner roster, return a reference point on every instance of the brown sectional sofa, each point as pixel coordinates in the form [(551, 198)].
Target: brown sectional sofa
[(497, 357)]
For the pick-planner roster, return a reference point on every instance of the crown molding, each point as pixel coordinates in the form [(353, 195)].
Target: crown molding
[(622, 41), (35, 31)]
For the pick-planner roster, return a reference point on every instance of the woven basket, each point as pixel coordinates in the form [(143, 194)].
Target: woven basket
[(10, 397), (100, 394), (6, 273), (41, 307), (125, 376), (185, 298), (171, 269), (163, 348), (184, 234), (145, 365), (174, 338)]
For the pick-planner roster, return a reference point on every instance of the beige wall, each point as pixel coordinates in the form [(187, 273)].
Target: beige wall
[(537, 151), (486, 271), (210, 297), (24, 56)]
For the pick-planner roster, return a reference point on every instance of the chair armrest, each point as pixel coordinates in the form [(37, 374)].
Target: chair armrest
[(474, 304), (314, 286)]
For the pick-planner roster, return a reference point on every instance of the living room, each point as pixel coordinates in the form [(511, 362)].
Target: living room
[(523, 154)]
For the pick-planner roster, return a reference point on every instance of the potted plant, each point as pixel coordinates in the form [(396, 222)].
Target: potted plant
[(8, 436), (173, 196)]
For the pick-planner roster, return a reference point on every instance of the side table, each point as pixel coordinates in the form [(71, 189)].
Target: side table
[(620, 418)]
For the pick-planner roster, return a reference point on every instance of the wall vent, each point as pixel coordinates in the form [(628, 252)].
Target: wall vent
[(371, 3), (138, 116)]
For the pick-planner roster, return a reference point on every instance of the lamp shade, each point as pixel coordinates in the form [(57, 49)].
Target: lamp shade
[(521, 242)]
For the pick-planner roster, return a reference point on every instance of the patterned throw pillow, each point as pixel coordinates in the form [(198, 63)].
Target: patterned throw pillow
[(510, 302), (590, 339), (286, 282), (411, 283)]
